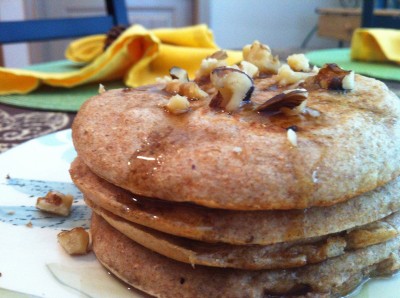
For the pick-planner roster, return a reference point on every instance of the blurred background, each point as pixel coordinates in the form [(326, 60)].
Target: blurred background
[(282, 24)]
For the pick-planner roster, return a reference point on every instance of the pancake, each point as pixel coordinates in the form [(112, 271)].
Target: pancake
[(236, 227), (243, 160), (163, 277), (255, 257)]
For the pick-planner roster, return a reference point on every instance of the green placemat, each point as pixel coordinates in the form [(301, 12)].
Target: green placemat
[(53, 98), (385, 71)]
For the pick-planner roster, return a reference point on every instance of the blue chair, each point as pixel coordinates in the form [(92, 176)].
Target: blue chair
[(51, 29), (380, 20)]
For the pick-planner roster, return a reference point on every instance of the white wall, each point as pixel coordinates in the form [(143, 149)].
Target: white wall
[(15, 55), (280, 24)]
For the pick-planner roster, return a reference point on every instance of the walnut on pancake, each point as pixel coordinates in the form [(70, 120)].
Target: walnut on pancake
[(264, 167), (234, 84), (331, 77), (102, 89), (217, 59), (178, 104), (234, 87), (179, 74), (181, 85), (299, 62), (261, 56), (318, 116), (290, 102)]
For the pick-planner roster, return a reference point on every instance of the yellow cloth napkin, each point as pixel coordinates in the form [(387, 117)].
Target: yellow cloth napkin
[(376, 45), (138, 56), (86, 49)]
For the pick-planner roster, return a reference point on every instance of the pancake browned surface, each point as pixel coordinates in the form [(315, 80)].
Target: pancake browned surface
[(127, 137), (256, 257), (276, 181), (236, 227), (141, 267)]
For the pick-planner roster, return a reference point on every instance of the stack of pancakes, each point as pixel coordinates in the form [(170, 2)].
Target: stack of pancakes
[(215, 204)]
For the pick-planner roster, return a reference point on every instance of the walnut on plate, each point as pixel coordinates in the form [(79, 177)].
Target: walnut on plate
[(75, 241), (55, 202)]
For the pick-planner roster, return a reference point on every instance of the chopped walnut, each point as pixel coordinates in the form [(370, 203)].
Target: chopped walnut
[(286, 76), (249, 68), (332, 77), (292, 137), (219, 55), (75, 241), (189, 89), (348, 81), (178, 104), (164, 79), (290, 102), (55, 202), (102, 89), (260, 55), (299, 62), (179, 74), (234, 87), (218, 59)]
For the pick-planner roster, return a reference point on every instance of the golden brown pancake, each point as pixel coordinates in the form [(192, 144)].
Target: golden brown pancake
[(163, 277), (236, 227), (255, 257), (243, 160)]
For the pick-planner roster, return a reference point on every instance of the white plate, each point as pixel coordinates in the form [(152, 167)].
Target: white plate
[(31, 260), (32, 264)]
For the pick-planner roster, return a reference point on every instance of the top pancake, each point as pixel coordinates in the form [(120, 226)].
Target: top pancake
[(243, 160)]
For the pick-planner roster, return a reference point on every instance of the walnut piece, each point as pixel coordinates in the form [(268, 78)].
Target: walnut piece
[(234, 87), (163, 80), (299, 62), (179, 74), (217, 59), (291, 102), (75, 241), (249, 68), (260, 55), (55, 202), (332, 77), (286, 76), (102, 89), (189, 89), (219, 55), (178, 104), (292, 137)]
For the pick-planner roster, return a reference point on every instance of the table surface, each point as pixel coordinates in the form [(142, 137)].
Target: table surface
[(18, 125)]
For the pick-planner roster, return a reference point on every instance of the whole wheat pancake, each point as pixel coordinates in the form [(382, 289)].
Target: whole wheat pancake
[(255, 257), (163, 277), (243, 160), (236, 227)]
